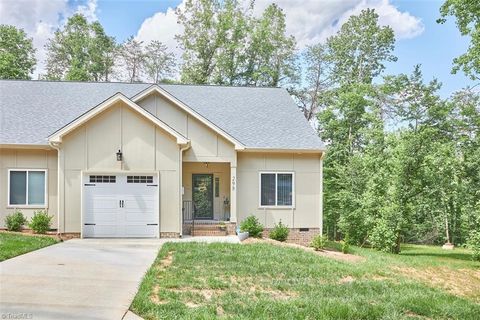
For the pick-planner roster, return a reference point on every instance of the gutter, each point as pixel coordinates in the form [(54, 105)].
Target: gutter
[(56, 146)]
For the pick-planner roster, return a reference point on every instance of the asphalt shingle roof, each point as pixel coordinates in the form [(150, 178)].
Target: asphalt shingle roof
[(257, 117)]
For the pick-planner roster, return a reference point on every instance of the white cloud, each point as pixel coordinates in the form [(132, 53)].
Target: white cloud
[(162, 26), (40, 19)]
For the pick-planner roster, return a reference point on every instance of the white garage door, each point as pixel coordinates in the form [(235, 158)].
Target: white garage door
[(120, 206)]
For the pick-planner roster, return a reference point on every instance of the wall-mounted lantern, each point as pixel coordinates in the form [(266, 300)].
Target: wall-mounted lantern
[(119, 155)]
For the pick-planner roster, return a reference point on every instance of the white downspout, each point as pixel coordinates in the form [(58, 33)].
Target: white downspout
[(55, 145), (180, 170)]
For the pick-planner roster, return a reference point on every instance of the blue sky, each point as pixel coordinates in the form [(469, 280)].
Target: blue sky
[(420, 40)]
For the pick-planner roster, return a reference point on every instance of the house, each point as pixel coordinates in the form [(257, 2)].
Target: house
[(143, 160)]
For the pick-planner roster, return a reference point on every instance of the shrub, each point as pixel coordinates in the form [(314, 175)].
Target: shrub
[(473, 243), (15, 221), (383, 237), (40, 222), (346, 244), (252, 226), (319, 242), (279, 232)]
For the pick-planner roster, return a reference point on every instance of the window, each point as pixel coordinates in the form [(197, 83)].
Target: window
[(139, 179), (27, 187), (217, 187), (276, 189), (102, 179)]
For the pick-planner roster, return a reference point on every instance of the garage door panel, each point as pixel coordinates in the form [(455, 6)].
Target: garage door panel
[(121, 209)]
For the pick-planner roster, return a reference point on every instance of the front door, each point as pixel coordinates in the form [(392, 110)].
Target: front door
[(202, 196)]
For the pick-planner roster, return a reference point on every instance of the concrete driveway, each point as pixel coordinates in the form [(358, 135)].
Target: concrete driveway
[(76, 279)]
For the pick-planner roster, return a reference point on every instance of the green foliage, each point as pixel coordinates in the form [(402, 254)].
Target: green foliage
[(467, 15), (40, 222), (383, 237), (252, 226), (17, 55), (319, 242), (15, 221), (224, 43), (80, 51), (473, 244), (346, 244), (279, 232)]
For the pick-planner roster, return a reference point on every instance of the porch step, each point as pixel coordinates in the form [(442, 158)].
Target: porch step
[(213, 233)]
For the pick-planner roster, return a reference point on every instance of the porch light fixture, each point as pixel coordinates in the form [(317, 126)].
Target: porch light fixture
[(206, 164), (119, 155)]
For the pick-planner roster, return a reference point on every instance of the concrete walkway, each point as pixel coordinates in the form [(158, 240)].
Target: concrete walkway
[(80, 278)]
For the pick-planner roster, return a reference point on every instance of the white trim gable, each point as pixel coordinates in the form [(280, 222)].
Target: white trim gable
[(156, 88), (118, 97)]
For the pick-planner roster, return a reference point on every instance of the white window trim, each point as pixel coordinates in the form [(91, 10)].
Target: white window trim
[(276, 191), (31, 206)]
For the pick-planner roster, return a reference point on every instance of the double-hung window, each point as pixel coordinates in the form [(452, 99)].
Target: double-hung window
[(27, 187), (277, 189)]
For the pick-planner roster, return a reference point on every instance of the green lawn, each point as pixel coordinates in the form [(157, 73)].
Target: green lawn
[(12, 245), (261, 281)]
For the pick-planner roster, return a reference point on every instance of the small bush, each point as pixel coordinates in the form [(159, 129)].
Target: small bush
[(345, 245), (15, 221), (383, 237), (279, 232), (473, 244), (319, 242), (40, 222), (252, 226)]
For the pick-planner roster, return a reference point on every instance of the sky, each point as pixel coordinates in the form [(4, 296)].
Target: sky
[(420, 40)]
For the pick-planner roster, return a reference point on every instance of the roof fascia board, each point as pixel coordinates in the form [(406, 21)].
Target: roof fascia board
[(25, 146), (156, 88), (57, 136), (273, 150)]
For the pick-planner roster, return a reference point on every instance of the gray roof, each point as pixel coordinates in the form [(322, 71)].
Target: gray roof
[(257, 117)]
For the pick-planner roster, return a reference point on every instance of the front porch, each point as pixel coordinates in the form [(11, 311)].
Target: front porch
[(207, 199)]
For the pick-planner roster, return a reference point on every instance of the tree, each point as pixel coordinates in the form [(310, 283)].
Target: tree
[(224, 44), (158, 62), (467, 15), (200, 40), (80, 51), (360, 49), (317, 81), (132, 57), (271, 53), (17, 55)]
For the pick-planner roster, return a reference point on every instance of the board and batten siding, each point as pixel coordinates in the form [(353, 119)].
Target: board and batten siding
[(92, 147), (307, 170), (206, 144), (28, 159)]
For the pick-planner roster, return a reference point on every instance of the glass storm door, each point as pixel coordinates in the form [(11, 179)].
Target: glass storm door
[(202, 196)]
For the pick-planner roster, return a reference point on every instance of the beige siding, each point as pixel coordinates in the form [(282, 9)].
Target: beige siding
[(146, 148), (28, 159), (306, 167), (206, 145), (219, 170)]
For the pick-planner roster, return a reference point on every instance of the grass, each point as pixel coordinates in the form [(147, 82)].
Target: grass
[(12, 245), (262, 281)]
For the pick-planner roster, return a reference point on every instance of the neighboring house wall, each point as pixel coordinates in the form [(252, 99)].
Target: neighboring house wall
[(206, 145), (220, 171), (307, 181), (145, 148), (28, 159)]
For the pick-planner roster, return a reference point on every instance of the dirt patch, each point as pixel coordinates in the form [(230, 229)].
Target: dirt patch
[(412, 314), (461, 282), (207, 294), (165, 262), (324, 253), (28, 232), (347, 279), (154, 296)]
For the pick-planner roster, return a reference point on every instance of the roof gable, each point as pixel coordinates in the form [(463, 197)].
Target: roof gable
[(56, 137)]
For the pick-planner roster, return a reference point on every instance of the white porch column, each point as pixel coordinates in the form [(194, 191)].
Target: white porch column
[(233, 192)]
